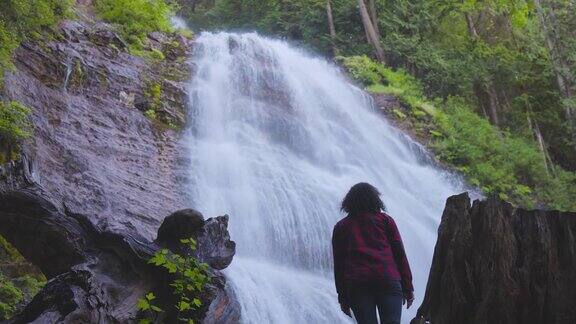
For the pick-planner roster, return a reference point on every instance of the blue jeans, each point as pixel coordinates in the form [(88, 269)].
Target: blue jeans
[(365, 299)]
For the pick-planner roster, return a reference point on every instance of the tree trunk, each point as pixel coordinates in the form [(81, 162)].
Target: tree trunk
[(471, 26), (540, 140), (373, 38), (493, 103), (374, 17), (561, 67), (488, 85), (331, 26)]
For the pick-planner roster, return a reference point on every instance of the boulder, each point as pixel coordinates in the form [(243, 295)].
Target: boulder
[(214, 246)]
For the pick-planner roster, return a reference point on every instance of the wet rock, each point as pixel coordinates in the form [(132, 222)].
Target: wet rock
[(93, 149), (494, 263), (97, 275), (180, 225), (214, 246), (101, 34), (98, 177)]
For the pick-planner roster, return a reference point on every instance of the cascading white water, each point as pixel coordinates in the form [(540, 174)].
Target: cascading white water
[(278, 137)]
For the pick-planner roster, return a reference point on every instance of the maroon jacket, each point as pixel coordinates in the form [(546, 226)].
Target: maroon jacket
[(368, 248)]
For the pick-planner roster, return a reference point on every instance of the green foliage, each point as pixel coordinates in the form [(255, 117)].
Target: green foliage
[(380, 79), (154, 95), (498, 162), (362, 68), (14, 123), (151, 113), (189, 279), (21, 287), (8, 42), (15, 291), (23, 19), (14, 127), (136, 19), (503, 58), (10, 296)]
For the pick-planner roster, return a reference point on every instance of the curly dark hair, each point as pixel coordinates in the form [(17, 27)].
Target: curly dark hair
[(362, 198)]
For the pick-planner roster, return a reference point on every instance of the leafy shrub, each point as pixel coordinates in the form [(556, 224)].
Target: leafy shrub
[(8, 43), (379, 79), (190, 278), (21, 19), (14, 126), (14, 123), (136, 18), (362, 69), (496, 161)]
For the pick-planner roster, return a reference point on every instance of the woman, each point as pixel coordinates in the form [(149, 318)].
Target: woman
[(370, 266)]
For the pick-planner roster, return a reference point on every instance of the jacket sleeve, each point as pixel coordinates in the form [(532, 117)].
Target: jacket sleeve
[(400, 259), (339, 254)]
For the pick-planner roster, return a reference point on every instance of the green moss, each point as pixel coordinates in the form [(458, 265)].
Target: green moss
[(153, 94), (399, 114), (10, 297), (153, 54), (150, 113), (78, 75), (187, 33), (11, 253)]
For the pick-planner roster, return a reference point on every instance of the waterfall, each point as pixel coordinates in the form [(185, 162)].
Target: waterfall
[(277, 138)]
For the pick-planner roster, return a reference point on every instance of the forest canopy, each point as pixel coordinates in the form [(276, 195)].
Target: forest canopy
[(511, 63)]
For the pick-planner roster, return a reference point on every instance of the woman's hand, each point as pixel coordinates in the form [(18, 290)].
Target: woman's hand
[(408, 300), (345, 309)]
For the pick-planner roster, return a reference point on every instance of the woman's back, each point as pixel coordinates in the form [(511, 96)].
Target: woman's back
[(366, 239), (371, 270)]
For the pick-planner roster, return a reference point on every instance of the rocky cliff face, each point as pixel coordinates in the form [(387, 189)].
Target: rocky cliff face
[(494, 263), (93, 148), (104, 168)]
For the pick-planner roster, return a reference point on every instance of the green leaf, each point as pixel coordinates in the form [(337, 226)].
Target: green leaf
[(143, 304), (171, 267), (183, 306), (150, 296), (158, 259)]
